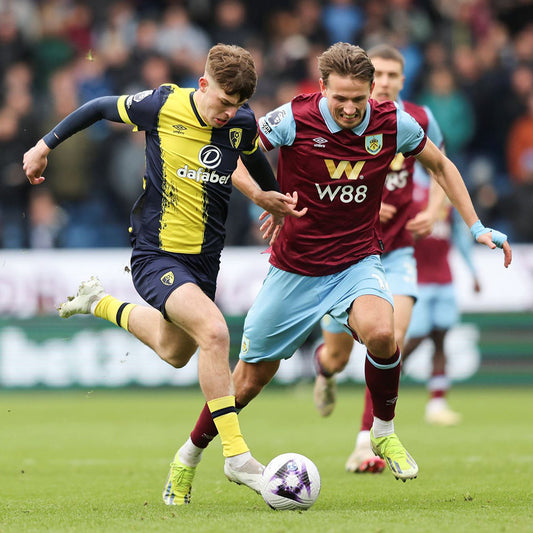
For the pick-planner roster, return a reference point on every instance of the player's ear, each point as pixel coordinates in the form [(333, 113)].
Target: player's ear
[(322, 86), (203, 84)]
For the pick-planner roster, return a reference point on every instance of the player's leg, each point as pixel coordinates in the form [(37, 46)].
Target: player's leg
[(403, 308), (444, 315), (363, 459), (438, 411), (331, 356), (372, 319), (249, 379), (189, 307), (272, 330), (400, 271), (170, 342), (410, 346), (421, 322)]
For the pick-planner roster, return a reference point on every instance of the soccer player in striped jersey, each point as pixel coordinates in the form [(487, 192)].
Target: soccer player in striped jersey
[(400, 221), (194, 139), (336, 148)]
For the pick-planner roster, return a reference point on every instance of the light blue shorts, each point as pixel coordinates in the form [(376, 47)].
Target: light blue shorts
[(436, 308), (289, 306), (400, 270)]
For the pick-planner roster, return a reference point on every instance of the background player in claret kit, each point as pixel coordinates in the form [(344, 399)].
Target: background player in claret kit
[(336, 147), (194, 139), (400, 221), (435, 311)]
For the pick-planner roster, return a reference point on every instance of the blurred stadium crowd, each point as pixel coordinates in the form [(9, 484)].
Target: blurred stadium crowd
[(470, 61)]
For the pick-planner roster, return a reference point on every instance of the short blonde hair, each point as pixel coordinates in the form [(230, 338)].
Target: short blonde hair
[(233, 68)]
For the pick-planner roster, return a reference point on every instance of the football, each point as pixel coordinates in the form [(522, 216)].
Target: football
[(290, 481)]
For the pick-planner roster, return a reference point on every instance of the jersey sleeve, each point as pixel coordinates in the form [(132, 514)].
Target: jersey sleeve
[(411, 137), (278, 128), (141, 109), (250, 136), (434, 132)]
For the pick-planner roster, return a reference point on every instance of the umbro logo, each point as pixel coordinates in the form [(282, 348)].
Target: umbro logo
[(179, 128), (320, 142)]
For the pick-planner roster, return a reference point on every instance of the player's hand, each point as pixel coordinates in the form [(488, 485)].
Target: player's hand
[(271, 227), (421, 225), (34, 162), (486, 239), (280, 205), (492, 238), (386, 212)]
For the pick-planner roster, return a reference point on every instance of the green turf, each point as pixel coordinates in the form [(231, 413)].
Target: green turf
[(80, 461)]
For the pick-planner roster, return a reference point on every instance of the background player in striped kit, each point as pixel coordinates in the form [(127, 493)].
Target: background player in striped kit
[(194, 139)]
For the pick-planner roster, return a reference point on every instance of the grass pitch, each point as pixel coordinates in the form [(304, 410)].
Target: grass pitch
[(96, 461)]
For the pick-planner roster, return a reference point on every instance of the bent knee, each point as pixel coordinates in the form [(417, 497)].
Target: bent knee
[(381, 342), (215, 335)]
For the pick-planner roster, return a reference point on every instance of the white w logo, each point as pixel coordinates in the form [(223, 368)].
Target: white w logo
[(344, 167)]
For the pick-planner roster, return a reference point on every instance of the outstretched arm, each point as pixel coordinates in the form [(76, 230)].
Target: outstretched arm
[(36, 158), (449, 178)]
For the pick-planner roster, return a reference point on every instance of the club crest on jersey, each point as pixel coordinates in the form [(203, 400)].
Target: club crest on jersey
[(373, 143), (235, 136), (245, 345), (168, 278)]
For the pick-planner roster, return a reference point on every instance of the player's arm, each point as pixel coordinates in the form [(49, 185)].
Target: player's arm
[(462, 240), (275, 203), (449, 178), (36, 159), (422, 223)]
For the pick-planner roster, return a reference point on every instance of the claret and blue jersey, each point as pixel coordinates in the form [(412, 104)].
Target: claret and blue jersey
[(339, 175), (187, 182)]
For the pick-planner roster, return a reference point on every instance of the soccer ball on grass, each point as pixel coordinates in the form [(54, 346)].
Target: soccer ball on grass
[(290, 481)]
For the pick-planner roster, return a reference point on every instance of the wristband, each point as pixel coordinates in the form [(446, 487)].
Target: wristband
[(498, 238)]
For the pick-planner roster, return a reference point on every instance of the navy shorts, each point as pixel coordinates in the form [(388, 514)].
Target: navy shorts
[(156, 274)]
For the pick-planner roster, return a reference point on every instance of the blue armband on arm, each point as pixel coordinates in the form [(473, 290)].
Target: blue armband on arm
[(83, 117), (498, 238)]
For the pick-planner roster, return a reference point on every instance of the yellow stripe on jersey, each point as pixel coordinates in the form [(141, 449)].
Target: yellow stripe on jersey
[(183, 205), (121, 106)]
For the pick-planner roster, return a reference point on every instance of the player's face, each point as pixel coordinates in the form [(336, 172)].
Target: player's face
[(388, 79), (214, 105), (347, 99)]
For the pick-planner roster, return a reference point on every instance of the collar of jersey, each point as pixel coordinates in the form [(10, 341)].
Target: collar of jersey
[(195, 110), (333, 127)]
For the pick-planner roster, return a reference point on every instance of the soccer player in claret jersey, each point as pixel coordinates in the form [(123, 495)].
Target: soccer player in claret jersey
[(400, 222), (436, 311), (194, 139), (336, 147)]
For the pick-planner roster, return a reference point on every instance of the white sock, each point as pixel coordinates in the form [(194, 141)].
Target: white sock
[(363, 439), (436, 404), (189, 454), (237, 461), (382, 428)]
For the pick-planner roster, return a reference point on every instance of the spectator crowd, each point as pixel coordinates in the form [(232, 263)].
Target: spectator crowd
[(469, 61)]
